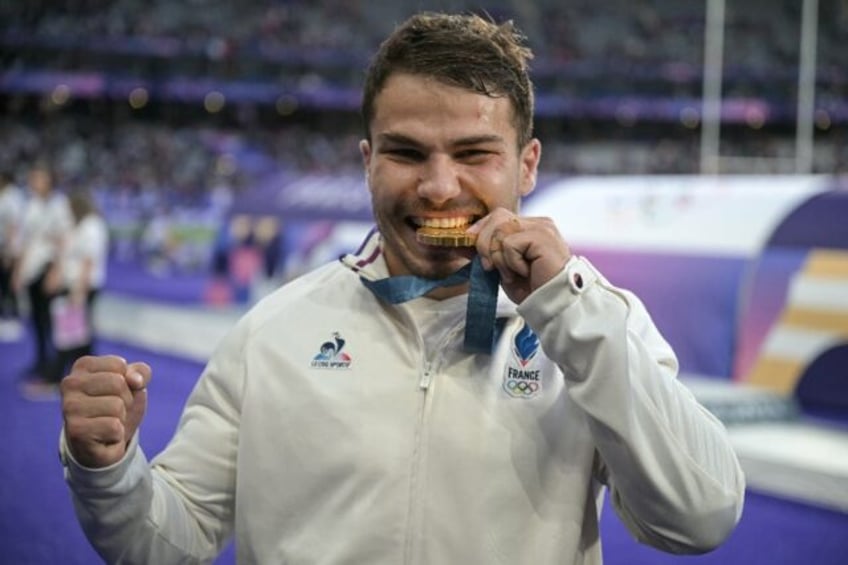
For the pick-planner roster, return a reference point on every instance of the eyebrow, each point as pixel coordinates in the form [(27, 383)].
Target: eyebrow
[(401, 139)]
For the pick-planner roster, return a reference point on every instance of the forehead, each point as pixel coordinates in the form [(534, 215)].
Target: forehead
[(419, 105)]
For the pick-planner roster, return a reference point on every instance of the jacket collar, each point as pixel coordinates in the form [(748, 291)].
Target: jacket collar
[(368, 262)]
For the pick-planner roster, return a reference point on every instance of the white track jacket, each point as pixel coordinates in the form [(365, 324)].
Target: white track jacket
[(320, 433)]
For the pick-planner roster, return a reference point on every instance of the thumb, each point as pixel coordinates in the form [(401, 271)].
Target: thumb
[(138, 377), (136, 413)]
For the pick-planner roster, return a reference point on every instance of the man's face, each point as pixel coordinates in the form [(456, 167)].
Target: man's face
[(40, 182), (440, 155)]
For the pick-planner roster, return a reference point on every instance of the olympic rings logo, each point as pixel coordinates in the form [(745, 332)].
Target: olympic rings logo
[(521, 388)]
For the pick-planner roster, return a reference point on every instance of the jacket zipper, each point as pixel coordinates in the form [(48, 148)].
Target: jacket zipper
[(428, 370)]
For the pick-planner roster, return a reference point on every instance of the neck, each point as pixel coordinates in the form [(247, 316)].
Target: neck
[(445, 292)]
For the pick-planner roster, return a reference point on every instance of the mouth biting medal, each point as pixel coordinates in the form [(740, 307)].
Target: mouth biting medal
[(446, 237)]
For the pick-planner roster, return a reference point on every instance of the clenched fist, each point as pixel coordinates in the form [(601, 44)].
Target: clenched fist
[(103, 402), (527, 252)]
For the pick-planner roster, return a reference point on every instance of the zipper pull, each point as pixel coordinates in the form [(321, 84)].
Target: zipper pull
[(426, 377)]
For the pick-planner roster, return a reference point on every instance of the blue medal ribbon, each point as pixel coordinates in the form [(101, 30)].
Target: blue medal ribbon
[(480, 323)]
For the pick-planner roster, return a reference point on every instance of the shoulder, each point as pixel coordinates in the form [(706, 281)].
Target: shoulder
[(331, 287), (94, 223), (59, 200), (59, 208)]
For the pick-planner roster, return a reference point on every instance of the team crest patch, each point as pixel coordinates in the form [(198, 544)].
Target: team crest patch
[(521, 378), (331, 356)]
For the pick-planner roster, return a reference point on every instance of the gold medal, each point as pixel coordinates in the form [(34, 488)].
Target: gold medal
[(446, 237)]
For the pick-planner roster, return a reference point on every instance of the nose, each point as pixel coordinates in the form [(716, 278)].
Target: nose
[(438, 182)]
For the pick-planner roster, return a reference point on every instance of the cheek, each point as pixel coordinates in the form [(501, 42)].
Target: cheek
[(386, 192), (388, 181), (499, 186)]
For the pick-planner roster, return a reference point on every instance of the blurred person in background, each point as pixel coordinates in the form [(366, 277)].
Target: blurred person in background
[(45, 224), (74, 281), (268, 233), (11, 208), (414, 443), (158, 242)]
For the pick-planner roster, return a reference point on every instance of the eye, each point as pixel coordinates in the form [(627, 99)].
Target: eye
[(473, 154), (404, 154)]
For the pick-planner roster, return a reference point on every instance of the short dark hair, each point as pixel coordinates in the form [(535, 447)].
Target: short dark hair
[(81, 203), (466, 51)]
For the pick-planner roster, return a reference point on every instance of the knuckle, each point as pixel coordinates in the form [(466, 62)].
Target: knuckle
[(114, 429), (116, 407), (96, 363), (84, 364), (67, 385), (74, 427), (71, 406), (115, 383)]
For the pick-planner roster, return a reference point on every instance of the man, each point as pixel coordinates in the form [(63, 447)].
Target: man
[(413, 448)]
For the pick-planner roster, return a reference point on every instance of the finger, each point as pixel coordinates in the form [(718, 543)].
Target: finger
[(514, 259), (94, 385), (104, 384), (502, 248), (89, 407), (491, 231), (499, 263), (510, 262), (96, 442), (101, 363), (139, 375), (504, 226), (136, 413), (89, 431), (86, 386), (484, 227)]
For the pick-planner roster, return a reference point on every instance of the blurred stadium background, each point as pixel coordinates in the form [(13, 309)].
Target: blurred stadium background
[(697, 151)]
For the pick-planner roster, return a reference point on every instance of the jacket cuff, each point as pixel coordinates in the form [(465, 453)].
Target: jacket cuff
[(577, 277)]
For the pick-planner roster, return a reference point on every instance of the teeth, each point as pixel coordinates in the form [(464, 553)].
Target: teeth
[(444, 222)]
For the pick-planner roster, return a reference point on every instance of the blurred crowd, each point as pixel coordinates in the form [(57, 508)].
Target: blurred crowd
[(761, 34), (195, 163), (618, 90)]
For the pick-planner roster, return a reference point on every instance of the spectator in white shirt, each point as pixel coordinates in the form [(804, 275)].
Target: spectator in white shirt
[(45, 224), (75, 280), (11, 207)]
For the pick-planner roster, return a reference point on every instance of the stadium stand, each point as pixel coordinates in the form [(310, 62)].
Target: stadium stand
[(618, 89)]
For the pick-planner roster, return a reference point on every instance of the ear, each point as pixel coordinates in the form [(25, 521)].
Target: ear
[(365, 150), (530, 156)]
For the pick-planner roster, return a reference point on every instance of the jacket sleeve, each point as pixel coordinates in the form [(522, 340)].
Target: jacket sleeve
[(179, 508), (674, 478)]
